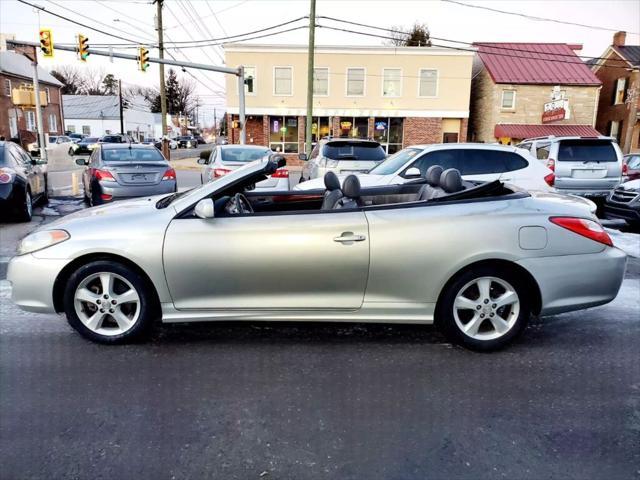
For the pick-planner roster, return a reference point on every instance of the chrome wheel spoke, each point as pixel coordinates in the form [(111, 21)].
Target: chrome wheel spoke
[(86, 295), (94, 322), (507, 298), (106, 280), (463, 303), (484, 287), (471, 328), (121, 319), (499, 324), (127, 297)]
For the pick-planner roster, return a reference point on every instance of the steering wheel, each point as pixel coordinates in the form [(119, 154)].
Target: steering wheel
[(242, 203)]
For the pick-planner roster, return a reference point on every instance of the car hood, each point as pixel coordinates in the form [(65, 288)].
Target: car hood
[(366, 180), (632, 185)]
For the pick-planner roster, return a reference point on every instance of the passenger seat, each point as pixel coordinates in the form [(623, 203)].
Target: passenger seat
[(451, 182), (333, 192), (351, 191), (432, 175)]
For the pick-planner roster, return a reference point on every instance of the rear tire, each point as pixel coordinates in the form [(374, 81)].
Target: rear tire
[(484, 308), (25, 213), (110, 303)]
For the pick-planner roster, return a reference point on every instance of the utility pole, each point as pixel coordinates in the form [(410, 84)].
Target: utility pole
[(241, 105), (215, 123), (36, 91), (312, 42), (121, 107), (163, 93)]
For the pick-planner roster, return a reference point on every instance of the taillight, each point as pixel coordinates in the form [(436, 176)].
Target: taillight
[(280, 173), (550, 179), (103, 175), (586, 228), (625, 169), (170, 174), (6, 175), (220, 172), (551, 164), (106, 196)]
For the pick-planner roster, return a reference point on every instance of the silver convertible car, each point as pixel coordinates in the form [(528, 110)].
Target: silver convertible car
[(475, 258)]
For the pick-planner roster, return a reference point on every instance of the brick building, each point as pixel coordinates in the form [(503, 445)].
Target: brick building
[(524, 90), (398, 96), (619, 70), (19, 121)]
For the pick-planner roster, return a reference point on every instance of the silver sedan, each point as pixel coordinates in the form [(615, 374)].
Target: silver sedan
[(477, 260)]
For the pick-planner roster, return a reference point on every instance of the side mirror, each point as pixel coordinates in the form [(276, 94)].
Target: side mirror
[(204, 155), (412, 172), (82, 162), (205, 209), (303, 156)]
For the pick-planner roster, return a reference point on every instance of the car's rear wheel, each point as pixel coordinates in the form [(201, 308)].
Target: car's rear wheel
[(484, 308), (110, 303), (25, 212)]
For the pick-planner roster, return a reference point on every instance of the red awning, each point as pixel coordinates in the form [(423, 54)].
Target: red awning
[(513, 130)]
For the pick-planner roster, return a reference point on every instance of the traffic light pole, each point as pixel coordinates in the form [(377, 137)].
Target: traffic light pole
[(36, 90), (163, 93), (241, 107)]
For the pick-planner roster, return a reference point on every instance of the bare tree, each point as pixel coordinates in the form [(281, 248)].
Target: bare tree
[(70, 77), (416, 36), (92, 82)]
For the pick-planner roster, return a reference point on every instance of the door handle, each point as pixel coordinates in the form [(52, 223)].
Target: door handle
[(348, 237)]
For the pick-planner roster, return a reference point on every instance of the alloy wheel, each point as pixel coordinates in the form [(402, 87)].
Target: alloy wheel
[(28, 203), (486, 308), (107, 303)]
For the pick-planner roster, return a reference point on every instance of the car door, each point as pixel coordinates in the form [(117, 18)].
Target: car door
[(209, 166), (33, 173), (261, 262)]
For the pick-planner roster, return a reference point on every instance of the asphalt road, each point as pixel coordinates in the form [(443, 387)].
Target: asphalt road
[(315, 401)]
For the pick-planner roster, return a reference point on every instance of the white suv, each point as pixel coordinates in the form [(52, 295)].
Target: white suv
[(475, 161), (585, 166)]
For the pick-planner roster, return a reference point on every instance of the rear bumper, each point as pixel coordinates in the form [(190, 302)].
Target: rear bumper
[(574, 282), (583, 192), (32, 282), (119, 192)]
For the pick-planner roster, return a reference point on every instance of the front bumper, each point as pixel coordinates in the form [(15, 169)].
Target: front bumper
[(574, 282), (629, 211), (32, 282)]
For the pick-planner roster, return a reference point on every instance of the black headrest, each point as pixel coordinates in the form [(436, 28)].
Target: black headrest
[(331, 181), (433, 175), (451, 180), (351, 187)]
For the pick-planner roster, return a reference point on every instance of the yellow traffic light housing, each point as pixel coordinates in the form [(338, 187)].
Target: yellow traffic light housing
[(83, 48), (46, 42), (143, 59)]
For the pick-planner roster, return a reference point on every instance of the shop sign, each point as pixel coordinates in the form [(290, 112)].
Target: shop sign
[(345, 125), (381, 125), (276, 126), (292, 122), (558, 108)]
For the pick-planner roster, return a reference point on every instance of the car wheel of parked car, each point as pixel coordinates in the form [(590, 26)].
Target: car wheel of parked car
[(484, 308), (110, 303), (26, 210)]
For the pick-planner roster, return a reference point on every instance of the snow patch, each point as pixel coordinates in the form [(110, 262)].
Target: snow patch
[(626, 241)]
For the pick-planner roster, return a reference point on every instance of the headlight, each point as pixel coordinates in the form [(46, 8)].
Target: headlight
[(92, 146), (43, 239)]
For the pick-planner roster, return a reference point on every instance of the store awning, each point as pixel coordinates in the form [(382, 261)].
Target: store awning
[(513, 130)]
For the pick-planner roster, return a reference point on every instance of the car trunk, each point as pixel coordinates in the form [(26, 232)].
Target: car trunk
[(269, 182), (587, 165), (147, 173)]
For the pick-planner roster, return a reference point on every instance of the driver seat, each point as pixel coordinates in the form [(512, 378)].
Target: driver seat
[(351, 191), (432, 176), (333, 192)]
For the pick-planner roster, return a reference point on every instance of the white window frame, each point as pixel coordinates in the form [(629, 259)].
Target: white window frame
[(513, 103), (290, 94), (255, 82), (621, 84), (364, 82), (7, 87), (612, 133), (399, 94), (30, 120), (71, 128), (328, 82), (425, 69), (48, 94), (87, 130), (54, 128)]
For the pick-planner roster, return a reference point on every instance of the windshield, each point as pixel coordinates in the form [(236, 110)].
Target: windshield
[(395, 162), (349, 150), (112, 139), (586, 151), (132, 155), (243, 155), (89, 140)]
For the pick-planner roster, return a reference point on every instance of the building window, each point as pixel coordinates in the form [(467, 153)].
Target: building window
[(321, 81), (283, 134), (250, 80), (388, 131), (7, 87), (618, 94), (354, 127), (615, 129), (391, 82), (428, 86), (282, 80), (355, 82), (53, 123), (86, 130), (71, 128), (47, 94), (320, 128), (31, 120), (508, 99)]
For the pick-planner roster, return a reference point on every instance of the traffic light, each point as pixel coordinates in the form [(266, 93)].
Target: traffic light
[(46, 43), (83, 48), (143, 59)]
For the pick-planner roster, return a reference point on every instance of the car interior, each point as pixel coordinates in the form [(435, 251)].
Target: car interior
[(437, 186)]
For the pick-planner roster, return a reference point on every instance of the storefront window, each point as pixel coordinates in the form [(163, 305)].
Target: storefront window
[(283, 134), (354, 127), (388, 131), (320, 128)]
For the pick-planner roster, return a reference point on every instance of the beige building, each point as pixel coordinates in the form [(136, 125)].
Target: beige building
[(523, 90), (397, 95)]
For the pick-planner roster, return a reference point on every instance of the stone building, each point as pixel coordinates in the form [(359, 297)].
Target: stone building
[(523, 90)]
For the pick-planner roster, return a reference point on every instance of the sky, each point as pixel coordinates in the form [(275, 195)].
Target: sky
[(186, 20)]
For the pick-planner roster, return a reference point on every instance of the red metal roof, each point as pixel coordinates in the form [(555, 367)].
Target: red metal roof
[(513, 130), (535, 63)]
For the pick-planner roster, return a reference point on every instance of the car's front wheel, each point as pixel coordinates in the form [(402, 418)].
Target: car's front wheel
[(484, 308), (108, 302)]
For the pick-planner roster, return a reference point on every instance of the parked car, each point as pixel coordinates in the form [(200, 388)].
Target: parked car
[(173, 144), (200, 139), (224, 159), (84, 146), (624, 202), (59, 139), (76, 137), (23, 182), (631, 166), (117, 171), (117, 139), (187, 142), (210, 254), (587, 166), (341, 155), (476, 161)]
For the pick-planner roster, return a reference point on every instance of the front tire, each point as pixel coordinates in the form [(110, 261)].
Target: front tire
[(484, 308), (110, 303), (25, 214)]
